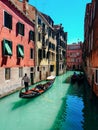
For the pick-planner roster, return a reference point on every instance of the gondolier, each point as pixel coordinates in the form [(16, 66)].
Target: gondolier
[(26, 82), (37, 90)]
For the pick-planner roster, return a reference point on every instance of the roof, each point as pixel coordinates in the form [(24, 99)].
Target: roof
[(19, 9)]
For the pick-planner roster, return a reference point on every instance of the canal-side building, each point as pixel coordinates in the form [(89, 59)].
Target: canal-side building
[(45, 42), (61, 47), (74, 56), (17, 46), (91, 44), (51, 44)]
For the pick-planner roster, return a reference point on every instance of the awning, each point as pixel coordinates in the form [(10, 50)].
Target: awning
[(8, 49)]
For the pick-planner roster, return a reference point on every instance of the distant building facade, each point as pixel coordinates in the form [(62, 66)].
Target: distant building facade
[(74, 56)]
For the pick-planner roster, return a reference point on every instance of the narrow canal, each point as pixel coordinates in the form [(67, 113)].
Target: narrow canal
[(63, 107)]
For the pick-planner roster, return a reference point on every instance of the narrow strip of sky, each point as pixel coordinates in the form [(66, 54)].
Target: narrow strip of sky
[(68, 12)]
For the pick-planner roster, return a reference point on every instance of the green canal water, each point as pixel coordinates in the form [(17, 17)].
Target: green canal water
[(62, 107)]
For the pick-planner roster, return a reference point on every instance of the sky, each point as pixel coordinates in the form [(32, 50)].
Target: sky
[(69, 13)]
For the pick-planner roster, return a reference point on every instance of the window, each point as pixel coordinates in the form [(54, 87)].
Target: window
[(43, 68), (53, 46), (7, 48), (38, 68), (39, 37), (20, 51), (39, 21), (40, 54), (51, 68), (60, 67), (49, 32), (50, 45), (20, 72), (7, 20), (7, 73), (48, 54), (43, 29), (44, 54), (31, 69), (31, 35), (31, 53), (96, 76), (20, 28)]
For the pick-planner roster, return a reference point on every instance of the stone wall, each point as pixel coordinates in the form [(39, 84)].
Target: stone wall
[(13, 84)]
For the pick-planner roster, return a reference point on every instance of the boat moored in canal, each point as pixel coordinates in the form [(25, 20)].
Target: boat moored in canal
[(37, 90), (49, 78), (74, 78), (79, 78)]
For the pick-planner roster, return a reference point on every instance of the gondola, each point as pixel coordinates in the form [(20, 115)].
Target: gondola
[(77, 78), (37, 90), (49, 78), (80, 79), (74, 78)]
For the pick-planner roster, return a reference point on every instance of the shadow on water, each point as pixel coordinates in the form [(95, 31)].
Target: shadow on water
[(25, 101), (61, 113), (21, 103)]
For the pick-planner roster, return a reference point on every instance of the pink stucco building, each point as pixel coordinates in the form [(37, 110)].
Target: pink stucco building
[(74, 56), (16, 46)]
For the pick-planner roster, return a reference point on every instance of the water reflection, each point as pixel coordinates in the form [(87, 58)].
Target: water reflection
[(63, 107), (80, 112)]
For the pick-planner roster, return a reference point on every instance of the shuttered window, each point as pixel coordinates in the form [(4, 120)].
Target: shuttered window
[(31, 35), (20, 28), (20, 51), (7, 20), (7, 48)]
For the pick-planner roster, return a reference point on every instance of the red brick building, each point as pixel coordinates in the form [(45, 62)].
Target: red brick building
[(74, 56), (17, 46), (91, 44)]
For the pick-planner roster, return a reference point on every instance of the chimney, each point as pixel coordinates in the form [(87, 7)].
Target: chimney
[(25, 6)]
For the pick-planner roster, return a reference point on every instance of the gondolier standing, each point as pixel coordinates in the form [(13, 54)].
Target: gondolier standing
[(26, 82)]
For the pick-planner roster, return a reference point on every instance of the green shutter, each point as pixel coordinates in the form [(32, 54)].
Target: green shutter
[(21, 52), (7, 47)]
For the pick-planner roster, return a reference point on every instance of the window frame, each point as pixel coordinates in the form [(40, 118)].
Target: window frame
[(20, 28), (20, 72), (39, 36), (7, 16), (22, 47), (39, 21), (4, 51), (96, 78), (31, 35), (7, 76), (31, 53), (51, 68)]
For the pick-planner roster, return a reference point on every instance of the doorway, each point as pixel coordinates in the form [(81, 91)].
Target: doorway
[(32, 78)]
